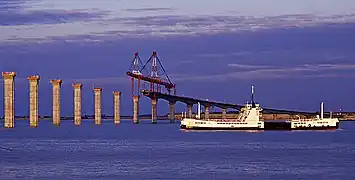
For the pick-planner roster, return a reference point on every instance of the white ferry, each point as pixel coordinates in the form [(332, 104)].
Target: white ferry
[(317, 123), (248, 119)]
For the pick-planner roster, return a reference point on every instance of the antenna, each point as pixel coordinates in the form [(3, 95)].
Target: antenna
[(252, 96), (199, 110), (321, 110)]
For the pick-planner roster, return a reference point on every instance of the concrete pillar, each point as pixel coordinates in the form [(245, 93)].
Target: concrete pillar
[(33, 80), (97, 92), (224, 113), (136, 109), (117, 106), (172, 111), (56, 83), (9, 95), (189, 110), (154, 110), (77, 103), (207, 112)]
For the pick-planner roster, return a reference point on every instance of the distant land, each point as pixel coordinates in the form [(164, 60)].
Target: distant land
[(343, 116)]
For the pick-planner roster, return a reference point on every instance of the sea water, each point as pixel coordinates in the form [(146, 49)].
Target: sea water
[(163, 151)]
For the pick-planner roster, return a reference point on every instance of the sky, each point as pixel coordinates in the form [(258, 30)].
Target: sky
[(296, 52)]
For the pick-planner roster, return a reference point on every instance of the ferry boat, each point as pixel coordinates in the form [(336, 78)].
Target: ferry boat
[(249, 118), (317, 123)]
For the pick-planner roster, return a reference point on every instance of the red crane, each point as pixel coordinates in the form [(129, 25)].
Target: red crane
[(157, 77)]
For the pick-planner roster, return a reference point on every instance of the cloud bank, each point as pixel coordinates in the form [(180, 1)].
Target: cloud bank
[(53, 19)]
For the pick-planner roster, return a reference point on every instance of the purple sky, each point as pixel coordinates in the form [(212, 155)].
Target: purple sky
[(295, 60)]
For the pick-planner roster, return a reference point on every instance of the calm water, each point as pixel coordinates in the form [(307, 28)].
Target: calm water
[(162, 151)]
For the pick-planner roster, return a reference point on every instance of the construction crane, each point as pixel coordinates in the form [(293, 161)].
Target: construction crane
[(157, 77)]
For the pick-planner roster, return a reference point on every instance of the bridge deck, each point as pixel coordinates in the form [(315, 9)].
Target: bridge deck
[(191, 100)]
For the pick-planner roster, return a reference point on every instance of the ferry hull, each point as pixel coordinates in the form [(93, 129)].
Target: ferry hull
[(318, 127), (287, 127), (219, 128)]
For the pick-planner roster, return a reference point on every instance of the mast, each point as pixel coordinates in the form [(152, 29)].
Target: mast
[(252, 96), (199, 110), (321, 110)]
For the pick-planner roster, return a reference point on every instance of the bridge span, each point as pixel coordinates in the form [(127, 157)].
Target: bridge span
[(190, 101)]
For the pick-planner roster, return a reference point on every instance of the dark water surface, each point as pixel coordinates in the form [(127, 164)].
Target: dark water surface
[(162, 151)]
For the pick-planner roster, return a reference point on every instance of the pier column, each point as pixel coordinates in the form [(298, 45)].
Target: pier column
[(97, 92), (9, 120), (172, 111), (117, 106), (189, 110), (56, 83), (207, 112), (33, 80), (77, 103), (224, 113), (154, 110), (136, 109)]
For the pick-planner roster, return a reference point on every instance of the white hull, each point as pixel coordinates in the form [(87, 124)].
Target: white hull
[(220, 124), (326, 123), (248, 119)]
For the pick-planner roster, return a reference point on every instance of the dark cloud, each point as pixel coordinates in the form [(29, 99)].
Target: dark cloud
[(44, 17)]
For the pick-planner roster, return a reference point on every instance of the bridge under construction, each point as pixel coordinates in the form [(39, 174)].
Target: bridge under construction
[(151, 72), (154, 73)]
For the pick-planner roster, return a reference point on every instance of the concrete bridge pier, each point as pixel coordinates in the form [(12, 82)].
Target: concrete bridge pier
[(117, 107), (172, 112), (136, 109), (9, 114), (97, 92), (224, 113), (154, 110), (33, 100), (189, 110), (56, 83), (77, 103), (207, 112)]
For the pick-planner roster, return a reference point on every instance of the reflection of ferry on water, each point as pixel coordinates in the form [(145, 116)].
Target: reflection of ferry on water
[(249, 118)]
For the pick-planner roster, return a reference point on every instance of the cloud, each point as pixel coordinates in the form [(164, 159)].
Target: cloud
[(10, 5), (103, 26), (275, 72), (45, 17), (243, 66), (149, 9)]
